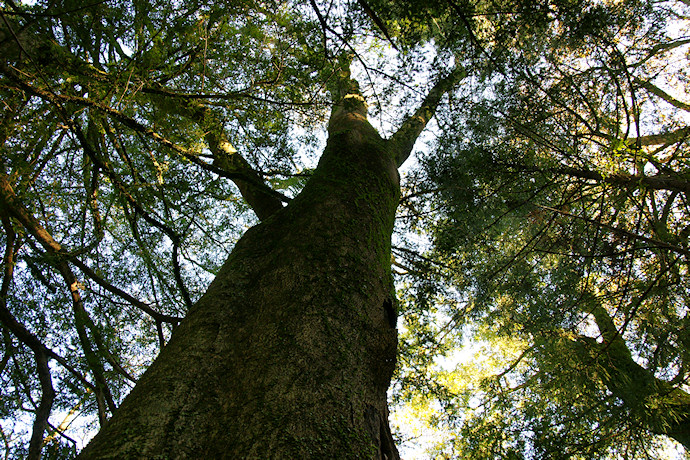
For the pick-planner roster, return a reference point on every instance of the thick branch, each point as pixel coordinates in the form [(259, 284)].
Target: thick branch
[(666, 46), (660, 407), (227, 162), (655, 90), (656, 182), (262, 199), (667, 138), (44, 407), (403, 140)]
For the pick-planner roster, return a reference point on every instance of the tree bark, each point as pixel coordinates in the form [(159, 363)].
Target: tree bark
[(290, 351)]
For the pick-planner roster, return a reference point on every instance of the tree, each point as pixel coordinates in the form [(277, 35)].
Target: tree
[(150, 147), (562, 230), (116, 157)]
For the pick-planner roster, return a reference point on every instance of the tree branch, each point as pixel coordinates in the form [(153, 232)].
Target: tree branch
[(44, 407), (263, 199), (405, 137), (667, 138), (146, 308), (657, 243), (40, 355), (379, 23), (30, 340), (661, 407), (656, 182), (227, 162), (105, 165), (41, 352), (10, 204), (655, 90)]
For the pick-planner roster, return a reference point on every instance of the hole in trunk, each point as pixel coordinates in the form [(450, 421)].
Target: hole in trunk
[(389, 313)]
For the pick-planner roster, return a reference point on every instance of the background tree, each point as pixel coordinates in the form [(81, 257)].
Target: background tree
[(560, 228), (546, 218)]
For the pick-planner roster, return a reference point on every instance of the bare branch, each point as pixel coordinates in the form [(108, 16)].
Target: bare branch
[(655, 90)]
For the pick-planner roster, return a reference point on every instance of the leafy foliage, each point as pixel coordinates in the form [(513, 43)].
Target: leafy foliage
[(559, 219)]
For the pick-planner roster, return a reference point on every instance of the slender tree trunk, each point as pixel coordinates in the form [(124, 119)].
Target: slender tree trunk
[(656, 404), (290, 352)]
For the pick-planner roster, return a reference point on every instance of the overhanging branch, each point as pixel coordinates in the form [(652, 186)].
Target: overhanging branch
[(12, 206), (654, 182), (227, 162), (620, 231)]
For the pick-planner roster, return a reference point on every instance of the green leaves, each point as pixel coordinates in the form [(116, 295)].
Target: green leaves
[(547, 207), (95, 148)]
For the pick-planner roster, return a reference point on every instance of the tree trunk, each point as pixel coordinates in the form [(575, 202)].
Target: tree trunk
[(290, 352), (656, 404)]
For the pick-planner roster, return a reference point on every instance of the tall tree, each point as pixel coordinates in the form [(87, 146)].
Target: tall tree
[(562, 231), (165, 189), (124, 122)]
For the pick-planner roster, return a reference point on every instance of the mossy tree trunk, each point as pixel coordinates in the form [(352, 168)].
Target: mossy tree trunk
[(290, 351)]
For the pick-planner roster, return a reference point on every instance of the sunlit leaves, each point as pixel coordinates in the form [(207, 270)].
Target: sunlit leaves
[(549, 202)]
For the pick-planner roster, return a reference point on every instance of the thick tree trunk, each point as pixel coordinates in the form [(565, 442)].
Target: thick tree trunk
[(290, 352)]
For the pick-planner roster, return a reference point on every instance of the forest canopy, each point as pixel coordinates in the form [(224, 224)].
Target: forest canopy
[(540, 250)]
